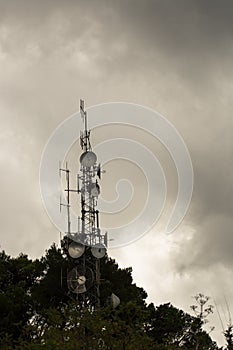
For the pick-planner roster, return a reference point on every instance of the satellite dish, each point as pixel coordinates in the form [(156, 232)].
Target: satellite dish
[(79, 282), (115, 300), (88, 159), (99, 171), (98, 251), (106, 239), (76, 250)]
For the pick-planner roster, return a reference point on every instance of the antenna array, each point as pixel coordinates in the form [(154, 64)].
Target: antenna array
[(86, 246)]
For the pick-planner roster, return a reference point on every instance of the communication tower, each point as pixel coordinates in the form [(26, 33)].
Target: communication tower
[(87, 245)]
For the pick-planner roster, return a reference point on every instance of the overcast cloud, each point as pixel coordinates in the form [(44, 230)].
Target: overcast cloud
[(173, 56)]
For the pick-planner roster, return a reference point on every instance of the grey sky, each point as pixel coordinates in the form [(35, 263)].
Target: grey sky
[(173, 56)]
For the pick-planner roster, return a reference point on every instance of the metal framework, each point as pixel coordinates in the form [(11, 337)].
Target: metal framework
[(88, 233)]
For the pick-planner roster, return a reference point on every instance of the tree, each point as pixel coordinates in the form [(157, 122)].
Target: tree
[(37, 313), (17, 277), (173, 327), (229, 337), (119, 281), (202, 311)]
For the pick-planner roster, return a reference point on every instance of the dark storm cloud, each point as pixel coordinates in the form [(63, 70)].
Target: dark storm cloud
[(192, 30), (178, 41), (212, 245), (184, 40), (210, 213)]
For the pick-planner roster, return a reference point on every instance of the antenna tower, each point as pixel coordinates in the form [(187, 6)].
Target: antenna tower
[(87, 245)]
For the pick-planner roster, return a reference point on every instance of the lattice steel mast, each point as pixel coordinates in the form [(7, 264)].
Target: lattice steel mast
[(87, 245), (90, 188)]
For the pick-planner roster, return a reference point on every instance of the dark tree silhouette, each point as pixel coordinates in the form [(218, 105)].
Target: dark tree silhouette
[(229, 337), (37, 313)]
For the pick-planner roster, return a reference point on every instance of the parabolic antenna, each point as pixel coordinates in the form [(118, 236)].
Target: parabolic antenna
[(115, 300), (98, 251), (79, 281), (76, 250), (88, 159)]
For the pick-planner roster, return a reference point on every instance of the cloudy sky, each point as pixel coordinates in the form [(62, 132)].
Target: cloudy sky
[(172, 56)]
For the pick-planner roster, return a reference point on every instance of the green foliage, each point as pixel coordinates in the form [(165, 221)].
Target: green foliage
[(229, 337), (36, 312), (16, 281), (50, 290), (119, 281), (173, 327)]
